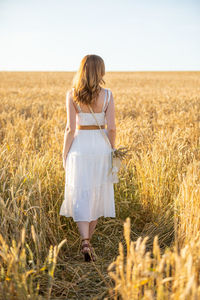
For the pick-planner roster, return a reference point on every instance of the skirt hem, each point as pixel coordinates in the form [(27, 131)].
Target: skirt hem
[(92, 219)]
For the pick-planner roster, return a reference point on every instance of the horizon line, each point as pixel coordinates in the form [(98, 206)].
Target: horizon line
[(118, 71)]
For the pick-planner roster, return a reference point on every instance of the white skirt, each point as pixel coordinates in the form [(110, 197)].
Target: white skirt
[(89, 191)]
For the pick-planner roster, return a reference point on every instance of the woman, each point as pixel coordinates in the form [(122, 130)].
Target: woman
[(89, 191)]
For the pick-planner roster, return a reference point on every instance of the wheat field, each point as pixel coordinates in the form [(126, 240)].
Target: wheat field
[(151, 250)]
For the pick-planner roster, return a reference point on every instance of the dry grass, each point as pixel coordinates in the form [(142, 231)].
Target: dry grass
[(157, 116), (141, 275)]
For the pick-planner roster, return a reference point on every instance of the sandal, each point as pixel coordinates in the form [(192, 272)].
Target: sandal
[(86, 250), (89, 253), (93, 253)]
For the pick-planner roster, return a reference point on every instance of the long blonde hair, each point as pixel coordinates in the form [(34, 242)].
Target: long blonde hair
[(87, 80)]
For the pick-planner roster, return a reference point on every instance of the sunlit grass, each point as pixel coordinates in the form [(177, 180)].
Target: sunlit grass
[(157, 117)]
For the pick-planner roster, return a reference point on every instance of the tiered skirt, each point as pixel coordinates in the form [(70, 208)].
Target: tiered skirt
[(89, 191)]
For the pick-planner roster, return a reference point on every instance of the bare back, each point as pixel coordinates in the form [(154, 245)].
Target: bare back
[(99, 104)]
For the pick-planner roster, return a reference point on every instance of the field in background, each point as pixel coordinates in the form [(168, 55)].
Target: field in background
[(157, 116)]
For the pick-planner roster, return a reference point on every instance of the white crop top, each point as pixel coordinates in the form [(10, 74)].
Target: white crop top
[(86, 118)]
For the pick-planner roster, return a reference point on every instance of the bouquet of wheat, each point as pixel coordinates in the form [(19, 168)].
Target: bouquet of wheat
[(117, 155)]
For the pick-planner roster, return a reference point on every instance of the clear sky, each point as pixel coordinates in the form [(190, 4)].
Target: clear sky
[(130, 35)]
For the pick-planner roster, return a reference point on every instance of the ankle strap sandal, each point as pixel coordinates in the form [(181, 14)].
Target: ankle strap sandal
[(85, 249), (89, 253)]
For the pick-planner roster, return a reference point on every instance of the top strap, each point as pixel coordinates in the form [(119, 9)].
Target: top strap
[(106, 92), (109, 93)]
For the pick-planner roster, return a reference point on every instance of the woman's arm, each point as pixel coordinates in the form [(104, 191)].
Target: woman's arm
[(110, 118), (70, 127)]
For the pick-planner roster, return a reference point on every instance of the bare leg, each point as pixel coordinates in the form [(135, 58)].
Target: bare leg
[(92, 226), (86, 230), (83, 227)]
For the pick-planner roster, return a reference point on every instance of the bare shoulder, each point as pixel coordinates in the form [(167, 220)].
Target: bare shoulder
[(70, 92)]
